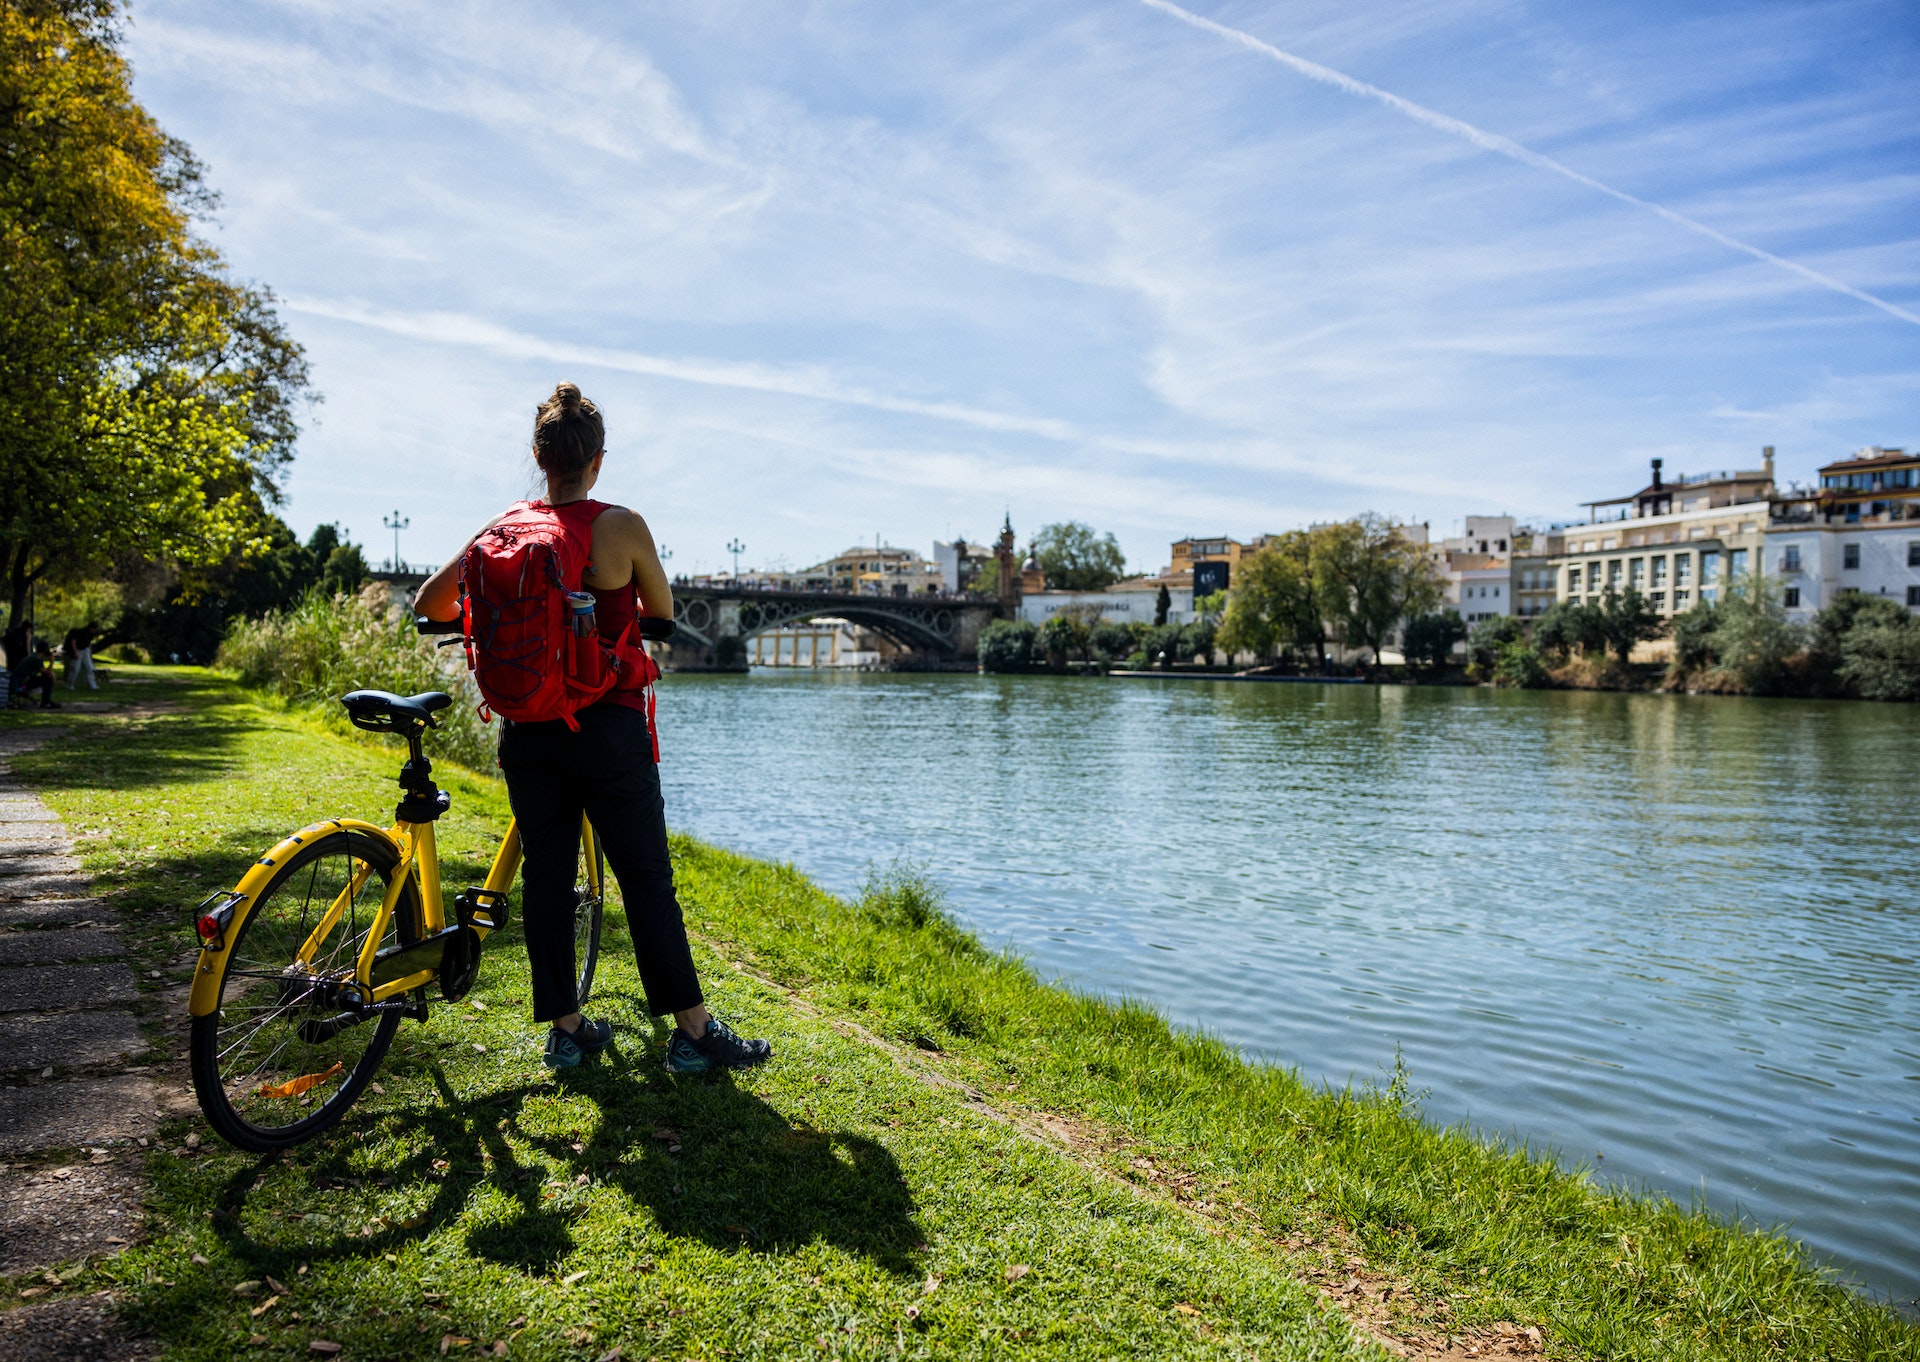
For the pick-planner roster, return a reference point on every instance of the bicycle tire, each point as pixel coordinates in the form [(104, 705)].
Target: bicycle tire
[(300, 1022), (588, 913)]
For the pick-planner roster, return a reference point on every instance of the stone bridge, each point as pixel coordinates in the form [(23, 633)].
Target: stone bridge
[(716, 621)]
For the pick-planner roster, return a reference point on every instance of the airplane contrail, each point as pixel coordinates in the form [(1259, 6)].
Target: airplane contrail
[(1506, 146)]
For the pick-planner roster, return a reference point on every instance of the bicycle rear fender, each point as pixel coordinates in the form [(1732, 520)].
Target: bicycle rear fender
[(204, 1000)]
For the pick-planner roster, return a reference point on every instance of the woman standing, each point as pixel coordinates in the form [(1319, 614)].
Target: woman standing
[(605, 769)]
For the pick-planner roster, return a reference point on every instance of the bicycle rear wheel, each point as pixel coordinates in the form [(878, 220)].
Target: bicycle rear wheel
[(592, 891), (286, 1054)]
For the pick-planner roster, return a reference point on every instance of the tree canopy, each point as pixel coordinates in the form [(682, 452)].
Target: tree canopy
[(1369, 577), (1076, 558), (1274, 603), (1357, 580), (147, 401)]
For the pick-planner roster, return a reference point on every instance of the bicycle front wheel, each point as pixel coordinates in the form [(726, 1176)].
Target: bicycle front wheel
[(592, 894), (286, 1053)]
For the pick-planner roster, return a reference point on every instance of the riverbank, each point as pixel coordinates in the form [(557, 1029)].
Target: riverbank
[(936, 1115)]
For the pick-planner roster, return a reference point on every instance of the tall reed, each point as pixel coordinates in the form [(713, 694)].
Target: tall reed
[(328, 645)]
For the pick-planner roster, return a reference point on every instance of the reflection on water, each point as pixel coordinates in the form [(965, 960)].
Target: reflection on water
[(1674, 936)]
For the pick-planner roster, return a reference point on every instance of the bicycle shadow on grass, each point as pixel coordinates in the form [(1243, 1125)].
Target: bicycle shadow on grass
[(711, 1162)]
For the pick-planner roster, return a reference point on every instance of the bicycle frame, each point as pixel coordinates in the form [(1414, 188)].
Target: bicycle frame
[(418, 854)]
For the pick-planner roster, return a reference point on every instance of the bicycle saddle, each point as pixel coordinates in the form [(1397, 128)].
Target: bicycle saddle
[(382, 711)]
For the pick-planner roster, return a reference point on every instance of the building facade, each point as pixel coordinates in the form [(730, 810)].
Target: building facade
[(1858, 530), (1476, 567), (1677, 542), (1134, 601)]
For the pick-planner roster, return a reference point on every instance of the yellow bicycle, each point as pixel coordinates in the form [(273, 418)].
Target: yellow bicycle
[(309, 964)]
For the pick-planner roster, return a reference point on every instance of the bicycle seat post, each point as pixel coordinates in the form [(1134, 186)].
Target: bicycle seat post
[(424, 801)]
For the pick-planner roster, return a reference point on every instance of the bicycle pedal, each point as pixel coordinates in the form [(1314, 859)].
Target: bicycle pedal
[(486, 909)]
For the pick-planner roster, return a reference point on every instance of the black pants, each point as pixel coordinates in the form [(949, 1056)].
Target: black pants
[(605, 771)]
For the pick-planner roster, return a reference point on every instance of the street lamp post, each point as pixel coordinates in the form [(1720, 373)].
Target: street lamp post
[(736, 548), (396, 522)]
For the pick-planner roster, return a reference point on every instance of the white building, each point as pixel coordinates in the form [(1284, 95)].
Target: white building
[(1859, 530), (1134, 601), (1815, 562), (1477, 567), (820, 642)]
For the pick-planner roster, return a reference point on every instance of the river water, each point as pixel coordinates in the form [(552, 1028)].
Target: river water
[(1677, 939)]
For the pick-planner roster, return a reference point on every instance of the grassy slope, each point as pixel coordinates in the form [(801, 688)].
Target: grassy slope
[(813, 1200)]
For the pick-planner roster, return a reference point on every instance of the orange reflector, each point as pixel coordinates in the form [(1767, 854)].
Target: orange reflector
[(293, 1087)]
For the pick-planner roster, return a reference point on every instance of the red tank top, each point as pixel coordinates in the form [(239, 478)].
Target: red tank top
[(613, 609)]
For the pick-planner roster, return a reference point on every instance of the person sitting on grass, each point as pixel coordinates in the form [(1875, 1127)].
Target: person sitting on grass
[(605, 770), (36, 673)]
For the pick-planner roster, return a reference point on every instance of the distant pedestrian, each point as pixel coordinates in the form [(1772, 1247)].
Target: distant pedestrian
[(36, 673), (80, 656)]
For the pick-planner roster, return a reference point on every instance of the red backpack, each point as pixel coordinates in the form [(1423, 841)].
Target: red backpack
[(521, 647)]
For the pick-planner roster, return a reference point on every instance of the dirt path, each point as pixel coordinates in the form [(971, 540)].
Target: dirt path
[(76, 1102)]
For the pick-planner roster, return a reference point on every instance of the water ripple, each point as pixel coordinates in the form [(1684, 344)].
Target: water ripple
[(1672, 937)]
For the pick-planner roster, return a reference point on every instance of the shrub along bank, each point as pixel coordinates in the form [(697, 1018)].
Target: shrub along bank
[(947, 1157), (1859, 647)]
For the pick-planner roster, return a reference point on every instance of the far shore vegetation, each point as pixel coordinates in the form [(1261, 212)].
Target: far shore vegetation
[(1353, 586), (949, 1156)]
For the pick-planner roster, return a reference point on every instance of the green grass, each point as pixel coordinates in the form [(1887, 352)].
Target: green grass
[(851, 1199)]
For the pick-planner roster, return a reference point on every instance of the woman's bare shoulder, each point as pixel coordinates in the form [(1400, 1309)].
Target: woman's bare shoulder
[(623, 523)]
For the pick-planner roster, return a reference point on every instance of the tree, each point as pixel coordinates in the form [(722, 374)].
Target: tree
[(1826, 640), (1369, 577), (1430, 637), (1075, 558), (1566, 626), (1275, 603), (1489, 636), (1114, 640), (1752, 637), (1626, 619), (1518, 665), (1880, 654), (1162, 603), (1007, 646), (1693, 646), (1063, 637), (146, 400)]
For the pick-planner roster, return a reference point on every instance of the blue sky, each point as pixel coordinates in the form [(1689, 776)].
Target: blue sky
[(836, 270)]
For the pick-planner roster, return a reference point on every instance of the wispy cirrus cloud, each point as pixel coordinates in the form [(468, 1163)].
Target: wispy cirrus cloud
[(906, 269), (1512, 150)]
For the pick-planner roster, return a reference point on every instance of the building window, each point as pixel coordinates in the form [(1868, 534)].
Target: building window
[(1790, 560), (1660, 571), (1637, 573), (1736, 562), (1709, 569), (1682, 568), (1850, 557), (1613, 572), (1659, 600), (1680, 599), (1913, 596), (1913, 553), (1792, 598)]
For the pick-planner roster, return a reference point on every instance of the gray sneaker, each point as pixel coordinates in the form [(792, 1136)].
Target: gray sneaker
[(720, 1048)]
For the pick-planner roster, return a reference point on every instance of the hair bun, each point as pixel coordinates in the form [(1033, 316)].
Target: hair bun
[(567, 397)]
